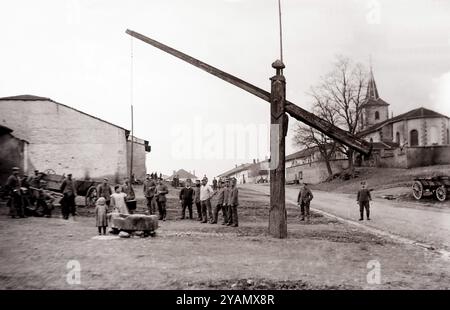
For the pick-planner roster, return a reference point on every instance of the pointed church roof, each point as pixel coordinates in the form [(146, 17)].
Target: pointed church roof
[(372, 96)]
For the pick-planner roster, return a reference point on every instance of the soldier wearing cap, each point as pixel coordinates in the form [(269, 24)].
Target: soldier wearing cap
[(149, 193), (161, 192), (186, 199), (363, 199), (104, 190), (197, 199), (221, 205), (304, 199), (13, 188), (233, 203), (68, 201)]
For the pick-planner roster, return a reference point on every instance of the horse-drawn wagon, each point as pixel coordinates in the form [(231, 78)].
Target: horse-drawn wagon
[(439, 186)]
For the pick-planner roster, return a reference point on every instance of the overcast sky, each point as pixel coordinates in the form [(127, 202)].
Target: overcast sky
[(77, 53)]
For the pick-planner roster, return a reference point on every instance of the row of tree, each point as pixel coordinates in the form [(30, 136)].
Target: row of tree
[(338, 98)]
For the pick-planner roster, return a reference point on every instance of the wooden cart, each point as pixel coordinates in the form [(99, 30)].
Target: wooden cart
[(438, 186)]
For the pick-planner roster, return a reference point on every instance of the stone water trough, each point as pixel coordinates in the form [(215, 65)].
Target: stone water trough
[(133, 224)]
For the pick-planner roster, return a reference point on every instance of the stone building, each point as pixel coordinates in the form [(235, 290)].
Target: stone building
[(419, 137), (67, 140)]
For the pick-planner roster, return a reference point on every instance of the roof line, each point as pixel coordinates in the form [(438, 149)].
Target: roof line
[(127, 131)]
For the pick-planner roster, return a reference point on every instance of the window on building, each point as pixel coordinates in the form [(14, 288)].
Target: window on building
[(397, 137), (414, 138), (377, 115)]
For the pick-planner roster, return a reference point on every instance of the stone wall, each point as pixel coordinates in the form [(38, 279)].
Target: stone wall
[(66, 140)]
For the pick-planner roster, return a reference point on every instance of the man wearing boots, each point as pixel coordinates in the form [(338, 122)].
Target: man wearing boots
[(363, 198), (186, 198), (304, 199)]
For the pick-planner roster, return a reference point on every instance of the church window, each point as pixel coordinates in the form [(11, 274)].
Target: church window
[(377, 115)]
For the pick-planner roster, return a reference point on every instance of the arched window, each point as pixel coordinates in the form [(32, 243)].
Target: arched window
[(414, 138), (397, 137), (377, 115)]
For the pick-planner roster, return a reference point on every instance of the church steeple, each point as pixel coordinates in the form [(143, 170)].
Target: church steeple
[(374, 109), (372, 91)]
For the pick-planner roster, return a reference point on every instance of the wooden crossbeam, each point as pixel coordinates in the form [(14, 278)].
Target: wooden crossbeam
[(295, 111)]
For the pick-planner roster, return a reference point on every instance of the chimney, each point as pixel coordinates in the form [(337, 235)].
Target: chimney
[(254, 161), (235, 166)]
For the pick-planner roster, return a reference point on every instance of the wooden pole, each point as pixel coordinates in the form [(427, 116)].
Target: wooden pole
[(278, 130), (132, 146)]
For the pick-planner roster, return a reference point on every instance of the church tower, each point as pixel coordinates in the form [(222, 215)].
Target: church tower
[(374, 109)]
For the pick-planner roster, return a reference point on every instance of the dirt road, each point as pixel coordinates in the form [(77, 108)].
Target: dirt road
[(422, 224)]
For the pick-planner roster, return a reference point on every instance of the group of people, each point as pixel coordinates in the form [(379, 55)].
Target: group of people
[(27, 196), (227, 201)]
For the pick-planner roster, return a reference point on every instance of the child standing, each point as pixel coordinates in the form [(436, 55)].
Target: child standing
[(100, 215)]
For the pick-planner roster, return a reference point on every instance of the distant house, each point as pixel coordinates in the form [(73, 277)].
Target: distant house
[(182, 175), (242, 173), (67, 140)]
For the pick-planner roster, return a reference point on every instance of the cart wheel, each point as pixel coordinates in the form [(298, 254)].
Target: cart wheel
[(91, 197), (417, 190), (441, 193)]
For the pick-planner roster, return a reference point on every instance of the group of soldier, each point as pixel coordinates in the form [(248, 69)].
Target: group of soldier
[(26, 195), (199, 194)]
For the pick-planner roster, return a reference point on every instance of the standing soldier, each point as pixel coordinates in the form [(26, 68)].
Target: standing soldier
[(161, 192), (68, 201), (197, 199), (186, 198), (214, 184), (206, 192), (130, 200), (35, 184), (104, 190), (13, 188), (233, 202), (149, 193), (304, 199), (221, 203), (363, 198)]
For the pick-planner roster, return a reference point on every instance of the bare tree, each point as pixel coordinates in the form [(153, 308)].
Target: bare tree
[(343, 90), (310, 138)]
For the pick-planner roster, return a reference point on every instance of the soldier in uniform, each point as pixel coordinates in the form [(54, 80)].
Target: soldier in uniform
[(304, 199), (221, 204), (104, 190), (68, 201), (13, 188), (186, 198), (35, 184), (197, 200), (161, 192), (363, 198), (233, 202), (149, 193)]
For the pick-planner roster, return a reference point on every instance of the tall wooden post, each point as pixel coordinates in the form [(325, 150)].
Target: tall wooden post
[(278, 130)]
